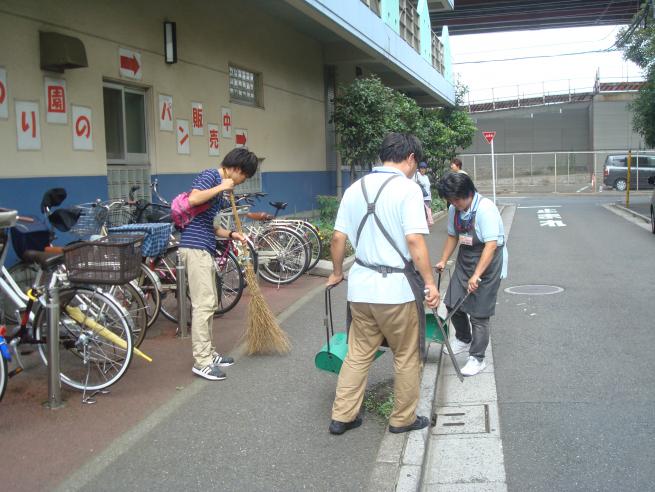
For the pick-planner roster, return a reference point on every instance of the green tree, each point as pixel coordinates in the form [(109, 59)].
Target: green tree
[(366, 110), (638, 44)]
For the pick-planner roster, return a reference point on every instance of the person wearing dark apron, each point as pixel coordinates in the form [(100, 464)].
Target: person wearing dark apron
[(474, 224)]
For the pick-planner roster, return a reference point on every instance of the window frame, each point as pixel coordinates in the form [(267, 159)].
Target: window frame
[(258, 87), (131, 158)]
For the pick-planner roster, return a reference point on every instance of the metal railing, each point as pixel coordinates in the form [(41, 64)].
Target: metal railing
[(409, 24), (437, 53), (547, 172), (546, 92)]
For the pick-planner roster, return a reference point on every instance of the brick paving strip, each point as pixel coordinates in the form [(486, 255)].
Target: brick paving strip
[(60, 441)]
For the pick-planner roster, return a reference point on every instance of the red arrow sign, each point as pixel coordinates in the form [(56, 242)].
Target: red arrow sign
[(83, 126), (131, 64), (489, 136)]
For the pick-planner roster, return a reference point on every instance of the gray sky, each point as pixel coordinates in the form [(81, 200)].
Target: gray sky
[(535, 75)]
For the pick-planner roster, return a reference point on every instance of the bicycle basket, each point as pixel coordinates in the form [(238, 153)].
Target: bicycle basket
[(92, 217), (156, 237), (120, 215), (225, 218), (113, 260), (154, 212)]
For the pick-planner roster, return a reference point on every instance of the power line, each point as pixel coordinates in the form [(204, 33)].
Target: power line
[(607, 50)]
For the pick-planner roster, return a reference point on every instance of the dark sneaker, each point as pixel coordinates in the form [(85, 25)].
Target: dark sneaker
[(222, 360), (419, 423), (339, 428), (211, 372)]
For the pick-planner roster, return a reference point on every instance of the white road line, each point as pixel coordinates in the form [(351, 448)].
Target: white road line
[(582, 189), (543, 206)]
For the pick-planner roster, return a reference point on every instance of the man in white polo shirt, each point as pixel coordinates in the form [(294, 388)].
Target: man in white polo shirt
[(382, 216)]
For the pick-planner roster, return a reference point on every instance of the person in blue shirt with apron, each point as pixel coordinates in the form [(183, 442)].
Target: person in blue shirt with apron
[(382, 216), (476, 225)]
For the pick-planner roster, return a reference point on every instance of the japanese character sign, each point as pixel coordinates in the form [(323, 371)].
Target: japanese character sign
[(4, 106), (82, 128), (183, 144), (28, 129), (198, 119), (213, 131), (56, 103), (226, 122), (240, 137), (165, 113)]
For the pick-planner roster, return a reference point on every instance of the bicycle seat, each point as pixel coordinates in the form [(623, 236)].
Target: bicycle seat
[(47, 261), (278, 205), (263, 216)]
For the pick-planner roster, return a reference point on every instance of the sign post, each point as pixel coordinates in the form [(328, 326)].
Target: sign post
[(489, 136)]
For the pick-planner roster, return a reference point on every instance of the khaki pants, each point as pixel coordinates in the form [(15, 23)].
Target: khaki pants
[(201, 275), (371, 323)]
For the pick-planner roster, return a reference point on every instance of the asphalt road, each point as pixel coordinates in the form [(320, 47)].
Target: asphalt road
[(574, 370)]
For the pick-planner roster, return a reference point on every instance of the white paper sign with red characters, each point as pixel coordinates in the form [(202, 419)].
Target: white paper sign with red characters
[(226, 122), (213, 132), (82, 128), (240, 137), (129, 63), (182, 131), (56, 103), (165, 113), (197, 119), (4, 105), (28, 129)]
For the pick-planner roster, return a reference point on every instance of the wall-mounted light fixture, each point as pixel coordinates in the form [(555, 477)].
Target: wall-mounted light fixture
[(170, 42)]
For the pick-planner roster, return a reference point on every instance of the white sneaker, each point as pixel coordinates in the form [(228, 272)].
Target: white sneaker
[(458, 346), (473, 367)]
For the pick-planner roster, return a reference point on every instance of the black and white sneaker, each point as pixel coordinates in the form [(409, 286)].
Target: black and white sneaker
[(211, 372), (222, 360)]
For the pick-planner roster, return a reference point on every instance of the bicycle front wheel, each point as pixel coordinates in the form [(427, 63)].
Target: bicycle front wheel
[(282, 255), (148, 283), (95, 340), (229, 282), (131, 299)]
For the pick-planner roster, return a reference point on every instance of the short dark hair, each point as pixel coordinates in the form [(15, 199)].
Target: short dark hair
[(396, 147), (241, 158), (455, 185), (457, 162)]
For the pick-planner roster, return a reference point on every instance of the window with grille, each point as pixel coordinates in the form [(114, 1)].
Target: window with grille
[(251, 185), (121, 178), (245, 86)]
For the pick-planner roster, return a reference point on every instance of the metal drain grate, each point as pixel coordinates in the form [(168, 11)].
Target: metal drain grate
[(534, 290)]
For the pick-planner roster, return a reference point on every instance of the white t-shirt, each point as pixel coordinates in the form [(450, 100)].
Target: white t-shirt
[(424, 182), (400, 209)]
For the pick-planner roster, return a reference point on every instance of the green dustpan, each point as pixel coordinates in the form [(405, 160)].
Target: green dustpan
[(332, 354), (432, 331)]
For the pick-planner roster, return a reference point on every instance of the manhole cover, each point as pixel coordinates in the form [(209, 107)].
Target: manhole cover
[(534, 290)]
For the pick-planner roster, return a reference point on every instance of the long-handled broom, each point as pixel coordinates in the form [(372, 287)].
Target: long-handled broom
[(263, 335)]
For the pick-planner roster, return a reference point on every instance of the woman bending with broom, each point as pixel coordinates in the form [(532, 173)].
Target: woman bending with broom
[(197, 248)]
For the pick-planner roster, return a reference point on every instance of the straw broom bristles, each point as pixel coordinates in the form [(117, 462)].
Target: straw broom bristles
[(263, 334)]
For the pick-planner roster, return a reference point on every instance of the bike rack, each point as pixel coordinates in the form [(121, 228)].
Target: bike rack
[(182, 310), (54, 383)]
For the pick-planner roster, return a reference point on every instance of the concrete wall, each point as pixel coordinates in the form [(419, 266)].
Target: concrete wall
[(604, 123), (535, 129), (289, 131), (611, 121)]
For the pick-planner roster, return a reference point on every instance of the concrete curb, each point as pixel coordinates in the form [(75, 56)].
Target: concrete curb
[(631, 212), (324, 267)]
